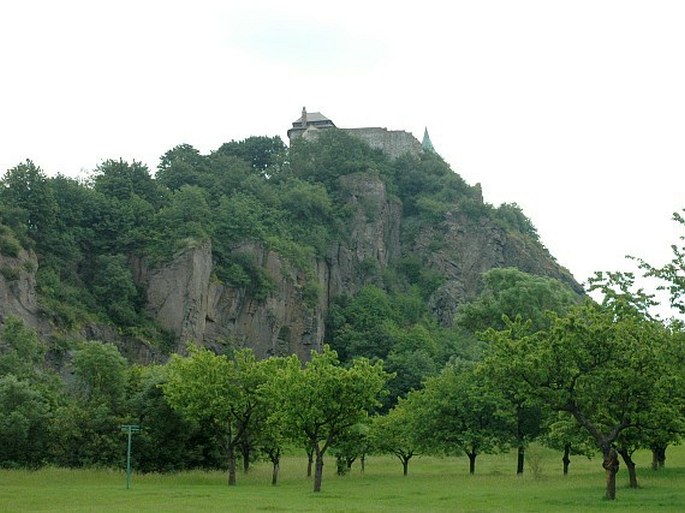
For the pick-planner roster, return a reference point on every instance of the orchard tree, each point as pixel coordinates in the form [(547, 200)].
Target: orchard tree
[(664, 423), (323, 400), (597, 365), (272, 439), (562, 432), (458, 411), (528, 413), (672, 273), (395, 432), (672, 276), (220, 391), (354, 443)]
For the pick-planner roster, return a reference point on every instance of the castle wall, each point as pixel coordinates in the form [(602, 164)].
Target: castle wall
[(393, 143)]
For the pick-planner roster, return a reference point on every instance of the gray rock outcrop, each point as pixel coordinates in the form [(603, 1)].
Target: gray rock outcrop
[(18, 296)]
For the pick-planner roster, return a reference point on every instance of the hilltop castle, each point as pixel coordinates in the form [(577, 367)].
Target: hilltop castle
[(392, 142)]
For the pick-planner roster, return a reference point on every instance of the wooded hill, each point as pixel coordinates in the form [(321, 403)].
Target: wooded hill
[(261, 246), (473, 339)]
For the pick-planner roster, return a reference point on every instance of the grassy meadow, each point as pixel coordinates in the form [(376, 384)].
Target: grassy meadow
[(433, 484)]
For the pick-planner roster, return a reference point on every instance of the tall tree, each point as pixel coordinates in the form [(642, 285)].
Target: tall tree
[(86, 426), (510, 292), (28, 203), (121, 180), (264, 154)]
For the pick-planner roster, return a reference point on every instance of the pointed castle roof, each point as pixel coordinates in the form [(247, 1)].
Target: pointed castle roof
[(426, 144)]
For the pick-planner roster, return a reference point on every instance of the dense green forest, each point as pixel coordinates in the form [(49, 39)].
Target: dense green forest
[(528, 358)]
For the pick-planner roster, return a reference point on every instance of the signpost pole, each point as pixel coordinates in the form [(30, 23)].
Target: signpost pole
[(129, 429)]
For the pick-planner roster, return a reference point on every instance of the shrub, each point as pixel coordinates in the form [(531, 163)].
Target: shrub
[(9, 247)]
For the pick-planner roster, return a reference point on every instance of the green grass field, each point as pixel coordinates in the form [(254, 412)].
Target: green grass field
[(433, 484)]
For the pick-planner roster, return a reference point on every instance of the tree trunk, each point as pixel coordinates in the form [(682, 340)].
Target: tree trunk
[(472, 461), (566, 459), (610, 464), (658, 456), (340, 466), (630, 465), (405, 465), (274, 474), (310, 461), (662, 456), (231, 465), (520, 460), (362, 462), (245, 450), (318, 471)]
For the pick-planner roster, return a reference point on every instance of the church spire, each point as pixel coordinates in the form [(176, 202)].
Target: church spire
[(426, 144)]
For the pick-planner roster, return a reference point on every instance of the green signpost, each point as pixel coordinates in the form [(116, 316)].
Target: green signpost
[(130, 429)]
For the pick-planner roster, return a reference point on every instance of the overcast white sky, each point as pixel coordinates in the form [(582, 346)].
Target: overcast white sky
[(575, 110)]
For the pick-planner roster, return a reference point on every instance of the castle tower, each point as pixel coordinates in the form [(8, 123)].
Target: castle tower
[(309, 121), (426, 144)]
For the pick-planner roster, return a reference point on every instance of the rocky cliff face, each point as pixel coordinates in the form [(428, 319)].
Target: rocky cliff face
[(184, 297), (470, 247), (18, 287), (373, 238)]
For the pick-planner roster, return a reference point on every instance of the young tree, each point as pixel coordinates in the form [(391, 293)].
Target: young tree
[(272, 438), (458, 411), (221, 391), (528, 413), (322, 400), (563, 433), (352, 444), (395, 432)]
